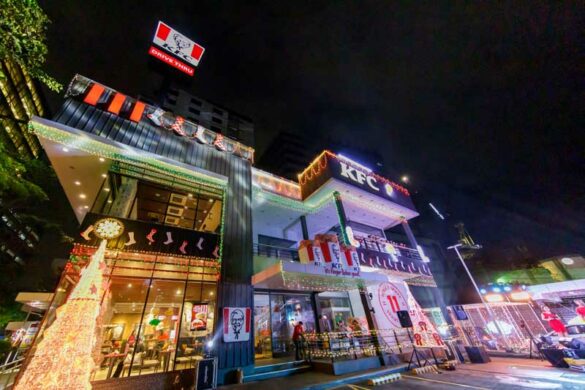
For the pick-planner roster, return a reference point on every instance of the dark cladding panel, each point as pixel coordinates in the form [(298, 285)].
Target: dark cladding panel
[(236, 272)]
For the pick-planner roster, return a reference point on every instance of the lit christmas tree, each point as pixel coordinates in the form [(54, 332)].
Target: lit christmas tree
[(64, 358)]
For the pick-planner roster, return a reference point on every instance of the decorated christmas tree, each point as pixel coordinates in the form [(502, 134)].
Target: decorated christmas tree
[(64, 358)]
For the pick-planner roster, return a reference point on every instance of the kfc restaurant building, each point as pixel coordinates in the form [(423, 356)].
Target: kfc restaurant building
[(186, 251)]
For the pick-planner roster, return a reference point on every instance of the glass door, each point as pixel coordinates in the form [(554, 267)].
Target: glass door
[(286, 312), (262, 339)]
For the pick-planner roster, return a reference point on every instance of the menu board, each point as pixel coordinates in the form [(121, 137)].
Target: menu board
[(199, 317)]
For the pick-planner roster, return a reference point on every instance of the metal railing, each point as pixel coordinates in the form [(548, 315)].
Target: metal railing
[(276, 252), (8, 373), (335, 346)]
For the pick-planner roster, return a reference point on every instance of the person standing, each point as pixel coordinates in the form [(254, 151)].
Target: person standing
[(298, 340)]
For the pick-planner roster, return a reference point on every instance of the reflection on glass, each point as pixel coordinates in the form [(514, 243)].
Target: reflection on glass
[(196, 324), (155, 345), (121, 318), (287, 311)]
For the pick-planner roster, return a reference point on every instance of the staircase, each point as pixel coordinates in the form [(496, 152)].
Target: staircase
[(277, 371)]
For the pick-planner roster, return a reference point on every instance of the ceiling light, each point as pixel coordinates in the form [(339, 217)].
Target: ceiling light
[(157, 194), (65, 149), (104, 175), (86, 207), (178, 292), (82, 196), (211, 293), (77, 182), (107, 189), (109, 201), (102, 159), (190, 195), (129, 284), (211, 200)]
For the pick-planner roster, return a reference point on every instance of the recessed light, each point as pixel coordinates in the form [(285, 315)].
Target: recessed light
[(102, 159), (109, 201), (129, 284), (65, 149), (157, 194), (211, 293), (211, 200), (82, 196), (77, 182), (107, 189), (190, 195), (204, 211), (199, 221), (104, 175), (86, 207)]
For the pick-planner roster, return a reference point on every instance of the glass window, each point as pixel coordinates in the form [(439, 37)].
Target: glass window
[(333, 308), (158, 331), (121, 320), (197, 321), (262, 340)]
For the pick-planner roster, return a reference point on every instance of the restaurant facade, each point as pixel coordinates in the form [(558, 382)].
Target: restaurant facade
[(194, 252)]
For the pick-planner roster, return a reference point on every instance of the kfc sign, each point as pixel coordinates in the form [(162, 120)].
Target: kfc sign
[(364, 179), (236, 324), (185, 53)]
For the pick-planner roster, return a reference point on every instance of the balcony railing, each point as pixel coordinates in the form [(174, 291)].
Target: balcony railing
[(276, 252)]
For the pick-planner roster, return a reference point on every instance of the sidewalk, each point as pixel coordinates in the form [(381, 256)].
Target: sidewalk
[(316, 380)]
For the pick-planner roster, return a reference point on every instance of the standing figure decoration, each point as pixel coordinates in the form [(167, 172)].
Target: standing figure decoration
[(554, 321)]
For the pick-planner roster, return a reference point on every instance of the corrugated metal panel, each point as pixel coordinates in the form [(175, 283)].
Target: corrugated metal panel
[(236, 272)]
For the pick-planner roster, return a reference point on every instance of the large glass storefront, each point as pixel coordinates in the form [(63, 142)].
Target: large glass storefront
[(159, 309), (276, 314)]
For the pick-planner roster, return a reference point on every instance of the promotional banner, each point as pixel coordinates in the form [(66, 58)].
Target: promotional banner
[(236, 324), (199, 317), (389, 298)]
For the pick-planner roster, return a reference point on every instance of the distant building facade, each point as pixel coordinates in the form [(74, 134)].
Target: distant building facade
[(209, 115)]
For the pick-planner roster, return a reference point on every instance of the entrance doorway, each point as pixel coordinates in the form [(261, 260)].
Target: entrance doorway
[(275, 315)]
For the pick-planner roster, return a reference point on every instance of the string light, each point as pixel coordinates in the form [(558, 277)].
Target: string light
[(64, 357)]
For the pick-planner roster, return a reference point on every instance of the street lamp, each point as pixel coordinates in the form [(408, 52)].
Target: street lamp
[(487, 307)]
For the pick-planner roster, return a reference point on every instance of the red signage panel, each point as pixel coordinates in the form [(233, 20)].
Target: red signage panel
[(153, 51)]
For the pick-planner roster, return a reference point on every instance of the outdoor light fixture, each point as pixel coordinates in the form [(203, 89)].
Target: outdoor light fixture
[(404, 179), (102, 159), (493, 298), (520, 296), (483, 291), (65, 149), (496, 289), (507, 288), (104, 175)]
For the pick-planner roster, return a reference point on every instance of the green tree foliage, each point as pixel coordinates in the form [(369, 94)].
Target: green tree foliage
[(22, 38)]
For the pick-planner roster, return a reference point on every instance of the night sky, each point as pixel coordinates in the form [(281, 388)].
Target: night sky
[(481, 103)]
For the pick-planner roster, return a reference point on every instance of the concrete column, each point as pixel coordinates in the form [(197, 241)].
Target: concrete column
[(304, 228), (342, 217), (409, 234)]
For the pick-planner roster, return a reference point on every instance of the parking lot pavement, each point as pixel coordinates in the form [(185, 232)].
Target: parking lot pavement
[(501, 373)]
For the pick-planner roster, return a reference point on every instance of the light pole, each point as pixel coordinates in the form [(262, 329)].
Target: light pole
[(487, 307)]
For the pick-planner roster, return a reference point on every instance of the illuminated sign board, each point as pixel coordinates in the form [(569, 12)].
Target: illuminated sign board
[(328, 166), (175, 49)]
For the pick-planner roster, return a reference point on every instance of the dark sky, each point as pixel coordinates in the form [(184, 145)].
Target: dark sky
[(481, 103)]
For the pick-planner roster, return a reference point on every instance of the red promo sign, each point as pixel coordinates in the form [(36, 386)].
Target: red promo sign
[(177, 44), (153, 51), (199, 317)]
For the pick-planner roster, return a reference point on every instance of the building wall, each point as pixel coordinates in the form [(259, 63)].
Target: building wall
[(236, 272)]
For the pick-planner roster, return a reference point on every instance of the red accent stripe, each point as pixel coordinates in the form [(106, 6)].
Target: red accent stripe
[(94, 94), (116, 104), (248, 315), (197, 52), (163, 31), (226, 314), (137, 111)]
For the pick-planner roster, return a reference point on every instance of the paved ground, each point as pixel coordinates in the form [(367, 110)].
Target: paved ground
[(501, 373)]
